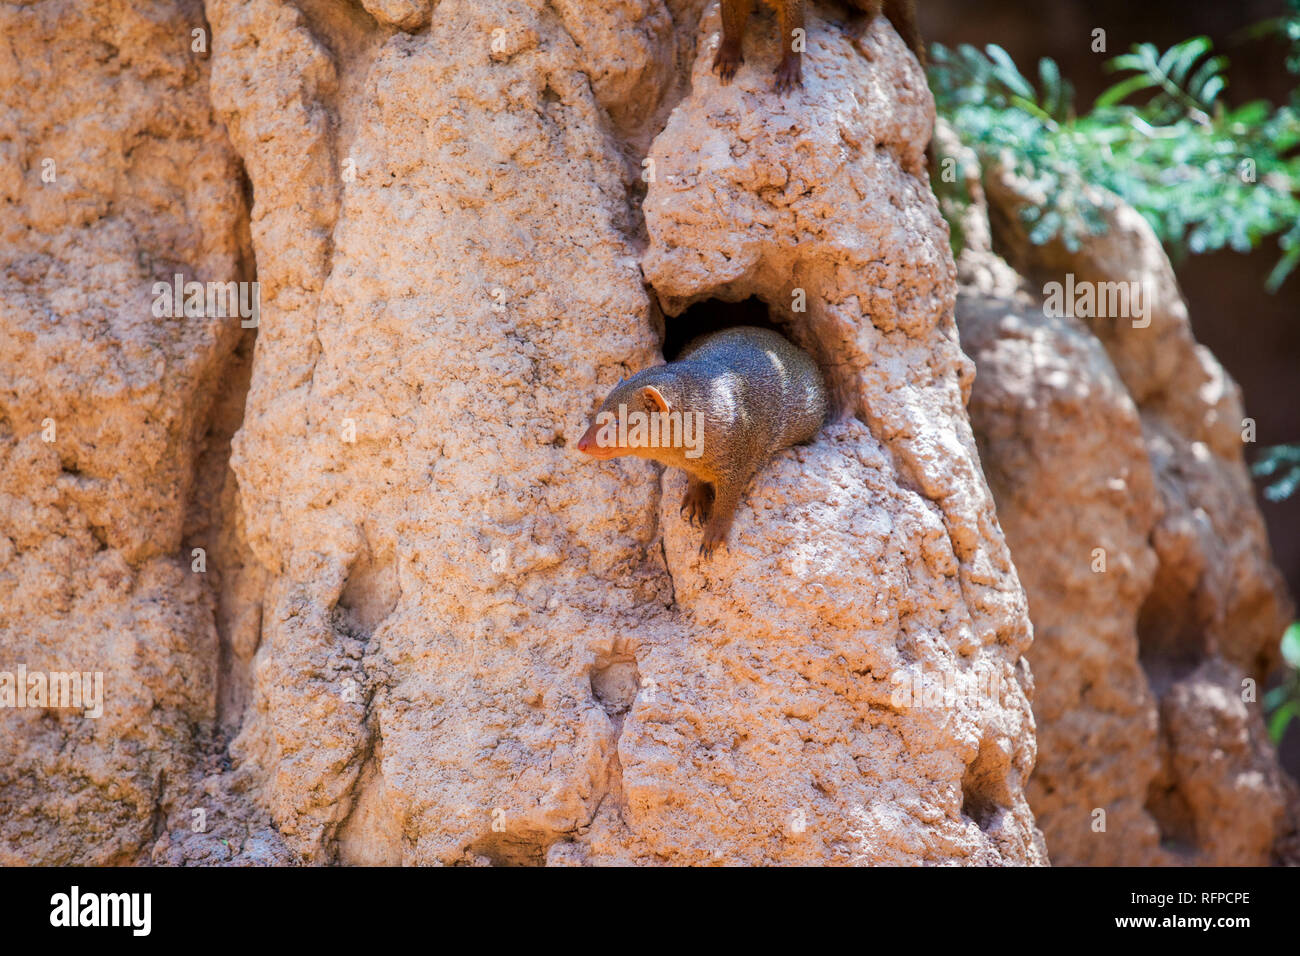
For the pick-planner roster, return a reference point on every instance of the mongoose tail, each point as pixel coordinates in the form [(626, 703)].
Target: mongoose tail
[(730, 402)]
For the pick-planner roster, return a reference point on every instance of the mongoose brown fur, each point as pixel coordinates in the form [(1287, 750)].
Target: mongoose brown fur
[(754, 394), (735, 17)]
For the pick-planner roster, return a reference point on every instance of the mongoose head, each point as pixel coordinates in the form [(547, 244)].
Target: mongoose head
[(640, 417)]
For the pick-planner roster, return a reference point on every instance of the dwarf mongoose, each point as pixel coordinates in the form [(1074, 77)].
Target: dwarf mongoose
[(731, 401)]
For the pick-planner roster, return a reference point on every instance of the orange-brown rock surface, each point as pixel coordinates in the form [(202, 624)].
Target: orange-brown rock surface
[(116, 176), (487, 648), (1114, 448), (356, 597)]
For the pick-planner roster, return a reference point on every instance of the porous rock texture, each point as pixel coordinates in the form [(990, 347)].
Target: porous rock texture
[(116, 175), (477, 647), (426, 630), (1115, 453)]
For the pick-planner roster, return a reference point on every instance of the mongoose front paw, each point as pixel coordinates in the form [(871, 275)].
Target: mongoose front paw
[(710, 543), (726, 62), (789, 74), (696, 504), (714, 535)]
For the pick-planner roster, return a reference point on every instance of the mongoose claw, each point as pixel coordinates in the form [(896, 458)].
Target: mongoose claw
[(726, 62), (789, 75), (696, 504), (710, 542)]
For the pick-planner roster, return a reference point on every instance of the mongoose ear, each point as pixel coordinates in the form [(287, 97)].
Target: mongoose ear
[(655, 398)]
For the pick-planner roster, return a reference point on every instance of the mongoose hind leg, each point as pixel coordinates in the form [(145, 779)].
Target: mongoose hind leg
[(900, 13), (735, 14), (726, 495), (727, 61), (697, 501), (789, 73), (860, 14)]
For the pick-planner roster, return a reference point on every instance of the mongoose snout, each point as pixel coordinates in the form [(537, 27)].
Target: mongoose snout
[(588, 445), (720, 412)]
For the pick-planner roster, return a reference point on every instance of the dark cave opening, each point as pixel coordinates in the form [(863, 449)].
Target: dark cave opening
[(714, 315)]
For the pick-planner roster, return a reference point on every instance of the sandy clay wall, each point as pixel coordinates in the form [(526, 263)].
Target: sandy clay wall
[(354, 594)]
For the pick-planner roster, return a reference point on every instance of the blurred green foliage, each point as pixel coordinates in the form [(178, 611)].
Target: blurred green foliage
[(1282, 703), (1207, 176), (1282, 464)]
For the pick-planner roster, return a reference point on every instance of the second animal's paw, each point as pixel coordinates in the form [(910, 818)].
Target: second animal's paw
[(696, 503), (789, 74), (856, 27), (726, 62)]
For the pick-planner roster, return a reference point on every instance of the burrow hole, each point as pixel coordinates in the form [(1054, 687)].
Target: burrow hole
[(984, 785), (714, 315)]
